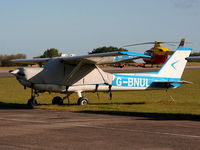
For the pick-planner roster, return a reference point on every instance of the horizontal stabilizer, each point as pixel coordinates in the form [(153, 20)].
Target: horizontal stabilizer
[(193, 58), (182, 82)]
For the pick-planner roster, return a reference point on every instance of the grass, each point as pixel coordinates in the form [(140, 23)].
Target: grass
[(8, 68), (156, 103)]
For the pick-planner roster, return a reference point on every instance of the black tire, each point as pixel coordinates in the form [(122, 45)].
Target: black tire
[(32, 102), (57, 100), (82, 101)]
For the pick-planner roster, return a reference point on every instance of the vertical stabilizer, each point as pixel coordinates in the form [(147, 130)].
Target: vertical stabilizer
[(175, 65)]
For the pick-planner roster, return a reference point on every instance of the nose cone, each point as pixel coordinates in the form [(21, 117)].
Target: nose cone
[(14, 72)]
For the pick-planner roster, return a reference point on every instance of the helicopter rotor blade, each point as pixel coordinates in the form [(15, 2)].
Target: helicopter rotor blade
[(170, 44), (155, 42), (139, 44)]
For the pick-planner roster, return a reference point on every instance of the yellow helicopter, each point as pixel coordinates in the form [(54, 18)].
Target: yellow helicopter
[(158, 53)]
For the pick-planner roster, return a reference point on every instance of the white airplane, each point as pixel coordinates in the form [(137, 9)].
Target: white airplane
[(81, 74)]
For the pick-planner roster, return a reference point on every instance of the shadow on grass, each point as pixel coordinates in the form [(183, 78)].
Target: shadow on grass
[(149, 116), (142, 115), (119, 103), (115, 103), (14, 106)]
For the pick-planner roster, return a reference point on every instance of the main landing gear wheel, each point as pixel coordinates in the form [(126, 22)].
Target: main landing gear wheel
[(32, 102), (82, 101), (57, 100)]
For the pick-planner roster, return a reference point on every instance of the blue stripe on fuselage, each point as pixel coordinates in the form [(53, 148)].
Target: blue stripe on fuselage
[(122, 80)]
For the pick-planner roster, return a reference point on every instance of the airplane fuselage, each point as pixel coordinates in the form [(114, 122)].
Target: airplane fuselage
[(120, 82)]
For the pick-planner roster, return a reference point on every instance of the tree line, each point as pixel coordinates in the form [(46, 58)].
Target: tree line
[(5, 59), (53, 52), (195, 54), (105, 49)]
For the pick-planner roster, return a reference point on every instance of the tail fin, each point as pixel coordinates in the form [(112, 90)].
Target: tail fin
[(175, 65)]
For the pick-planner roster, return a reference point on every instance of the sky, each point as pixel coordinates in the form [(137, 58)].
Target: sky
[(79, 26)]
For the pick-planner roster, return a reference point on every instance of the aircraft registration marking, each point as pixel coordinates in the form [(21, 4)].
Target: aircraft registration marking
[(132, 82)]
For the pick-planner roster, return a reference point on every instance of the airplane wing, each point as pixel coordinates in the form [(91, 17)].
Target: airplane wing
[(104, 58), (80, 70), (30, 61), (87, 63), (99, 58)]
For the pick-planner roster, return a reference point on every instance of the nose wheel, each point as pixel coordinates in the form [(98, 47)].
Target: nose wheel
[(32, 101), (82, 101)]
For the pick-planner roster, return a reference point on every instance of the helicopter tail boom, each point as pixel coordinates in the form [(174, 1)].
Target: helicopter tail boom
[(182, 42)]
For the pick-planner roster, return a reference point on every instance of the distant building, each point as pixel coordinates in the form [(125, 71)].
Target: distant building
[(67, 55)]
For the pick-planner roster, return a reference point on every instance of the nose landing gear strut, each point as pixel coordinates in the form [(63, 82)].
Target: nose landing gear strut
[(81, 100), (33, 101)]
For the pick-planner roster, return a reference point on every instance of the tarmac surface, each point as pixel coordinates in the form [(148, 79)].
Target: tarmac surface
[(52, 129)]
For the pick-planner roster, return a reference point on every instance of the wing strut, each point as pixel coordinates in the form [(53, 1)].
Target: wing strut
[(73, 71), (110, 86), (101, 74)]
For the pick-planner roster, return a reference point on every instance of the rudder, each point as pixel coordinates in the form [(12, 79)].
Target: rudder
[(175, 65)]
